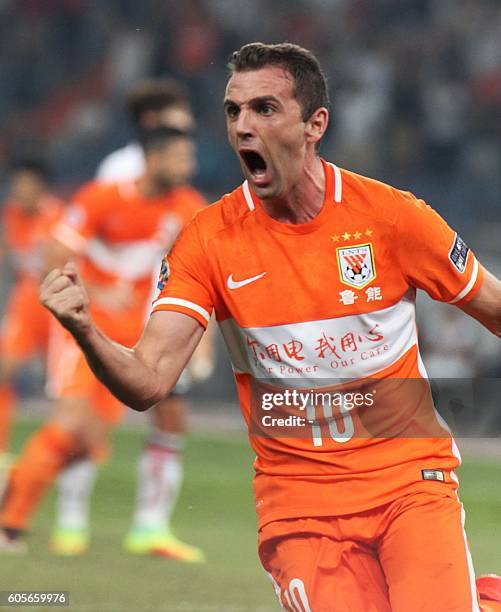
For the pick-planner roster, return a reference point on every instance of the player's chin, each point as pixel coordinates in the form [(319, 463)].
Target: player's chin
[(266, 193), (263, 188)]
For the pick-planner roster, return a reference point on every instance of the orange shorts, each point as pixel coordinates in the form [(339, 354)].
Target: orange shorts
[(25, 325), (68, 375), (406, 556)]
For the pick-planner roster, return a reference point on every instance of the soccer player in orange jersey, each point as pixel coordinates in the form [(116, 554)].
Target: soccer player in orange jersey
[(27, 219), (312, 272), (152, 103), (117, 231)]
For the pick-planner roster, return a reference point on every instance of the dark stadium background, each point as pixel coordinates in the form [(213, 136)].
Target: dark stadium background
[(416, 101)]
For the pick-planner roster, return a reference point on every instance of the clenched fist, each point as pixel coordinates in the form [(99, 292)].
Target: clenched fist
[(64, 294)]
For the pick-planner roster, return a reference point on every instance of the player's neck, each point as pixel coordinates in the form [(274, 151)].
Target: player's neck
[(305, 198), (29, 208), (148, 187)]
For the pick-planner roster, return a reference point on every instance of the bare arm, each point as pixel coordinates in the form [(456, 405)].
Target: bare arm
[(203, 362), (486, 305), (139, 377)]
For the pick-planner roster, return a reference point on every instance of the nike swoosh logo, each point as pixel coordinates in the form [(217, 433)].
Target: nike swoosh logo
[(233, 284)]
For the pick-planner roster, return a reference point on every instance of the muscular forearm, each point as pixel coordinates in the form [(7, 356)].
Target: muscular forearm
[(486, 305), (131, 378), (122, 371), (138, 377)]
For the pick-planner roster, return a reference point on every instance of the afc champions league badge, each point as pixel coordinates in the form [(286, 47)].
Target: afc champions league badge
[(356, 265), (163, 277)]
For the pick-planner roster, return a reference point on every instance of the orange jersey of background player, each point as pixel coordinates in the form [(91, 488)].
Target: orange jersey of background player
[(25, 323), (119, 234), (329, 301), (26, 234)]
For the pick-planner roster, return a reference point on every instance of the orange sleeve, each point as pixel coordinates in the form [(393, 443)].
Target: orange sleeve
[(82, 217), (431, 255), (192, 201), (184, 282)]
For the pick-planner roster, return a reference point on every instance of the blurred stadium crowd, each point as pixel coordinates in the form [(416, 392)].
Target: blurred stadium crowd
[(415, 85)]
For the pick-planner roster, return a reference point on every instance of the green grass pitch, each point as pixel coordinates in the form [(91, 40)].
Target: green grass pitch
[(216, 512)]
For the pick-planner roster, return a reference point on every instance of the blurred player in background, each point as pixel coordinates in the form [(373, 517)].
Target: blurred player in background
[(152, 103), (27, 219), (348, 519), (117, 231)]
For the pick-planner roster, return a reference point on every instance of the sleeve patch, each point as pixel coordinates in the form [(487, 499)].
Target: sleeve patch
[(163, 277), (459, 253)]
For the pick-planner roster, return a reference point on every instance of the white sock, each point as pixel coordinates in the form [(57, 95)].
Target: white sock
[(160, 474), (74, 487)]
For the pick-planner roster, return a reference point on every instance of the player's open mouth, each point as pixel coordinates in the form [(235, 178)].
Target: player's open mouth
[(256, 165)]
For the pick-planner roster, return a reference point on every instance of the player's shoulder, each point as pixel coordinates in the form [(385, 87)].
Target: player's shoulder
[(96, 198), (231, 209), (383, 199), (190, 196), (95, 191)]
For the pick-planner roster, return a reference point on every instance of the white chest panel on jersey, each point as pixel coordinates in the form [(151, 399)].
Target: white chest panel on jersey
[(131, 261), (337, 349)]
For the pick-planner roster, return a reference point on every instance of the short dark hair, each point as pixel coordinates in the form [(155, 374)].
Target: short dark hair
[(156, 137), (155, 95), (310, 84), (35, 165)]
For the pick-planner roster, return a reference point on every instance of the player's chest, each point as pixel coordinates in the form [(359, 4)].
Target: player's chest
[(268, 278), (24, 236), (133, 224)]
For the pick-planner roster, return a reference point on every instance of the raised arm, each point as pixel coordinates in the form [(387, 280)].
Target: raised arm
[(139, 377), (485, 306)]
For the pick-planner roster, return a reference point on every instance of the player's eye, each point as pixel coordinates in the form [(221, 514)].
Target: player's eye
[(265, 108), (232, 111)]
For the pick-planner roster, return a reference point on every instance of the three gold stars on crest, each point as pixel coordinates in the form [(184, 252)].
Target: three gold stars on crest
[(356, 235)]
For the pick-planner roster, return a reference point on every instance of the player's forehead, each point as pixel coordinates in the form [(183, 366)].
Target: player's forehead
[(269, 81)]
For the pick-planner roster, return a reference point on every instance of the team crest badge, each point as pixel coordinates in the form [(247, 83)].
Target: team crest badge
[(356, 265), (163, 277)]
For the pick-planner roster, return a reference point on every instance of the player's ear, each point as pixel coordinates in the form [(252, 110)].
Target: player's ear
[(317, 124)]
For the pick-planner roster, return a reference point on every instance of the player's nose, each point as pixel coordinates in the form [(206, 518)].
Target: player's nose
[(244, 126)]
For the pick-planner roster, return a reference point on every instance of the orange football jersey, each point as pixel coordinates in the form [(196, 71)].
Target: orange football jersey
[(119, 234), (326, 305), (26, 235)]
